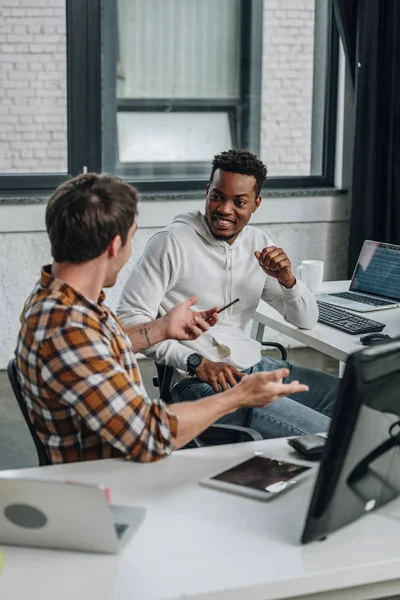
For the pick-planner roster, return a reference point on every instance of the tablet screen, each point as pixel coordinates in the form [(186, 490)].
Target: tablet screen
[(262, 473)]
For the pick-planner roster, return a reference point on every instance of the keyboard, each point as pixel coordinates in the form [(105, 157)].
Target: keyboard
[(363, 299), (346, 321)]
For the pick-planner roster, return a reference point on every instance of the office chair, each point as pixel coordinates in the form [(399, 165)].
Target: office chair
[(218, 433), (12, 376)]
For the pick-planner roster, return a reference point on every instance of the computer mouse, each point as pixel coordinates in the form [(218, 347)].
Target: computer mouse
[(374, 338)]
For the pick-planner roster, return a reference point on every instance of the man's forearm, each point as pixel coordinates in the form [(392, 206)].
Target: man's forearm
[(147, 334), (195, 417)]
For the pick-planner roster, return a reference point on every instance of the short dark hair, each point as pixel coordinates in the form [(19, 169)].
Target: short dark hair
[(243, 162), (85, 213)]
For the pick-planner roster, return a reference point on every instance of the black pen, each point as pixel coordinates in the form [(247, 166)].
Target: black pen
[(224, 307)]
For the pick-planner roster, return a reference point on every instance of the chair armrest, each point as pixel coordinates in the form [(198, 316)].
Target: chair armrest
[(281, 348), (245, 432), (251, 433)]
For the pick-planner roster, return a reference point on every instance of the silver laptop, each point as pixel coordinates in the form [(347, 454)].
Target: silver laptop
[(49, 514), (376, 280)]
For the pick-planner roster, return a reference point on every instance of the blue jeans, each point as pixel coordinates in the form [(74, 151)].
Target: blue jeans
[(302, 413)]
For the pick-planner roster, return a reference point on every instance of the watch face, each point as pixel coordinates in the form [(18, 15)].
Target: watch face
[(194, 361)]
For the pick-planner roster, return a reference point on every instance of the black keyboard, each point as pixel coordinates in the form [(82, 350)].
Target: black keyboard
[(363, 299), (346, 321)]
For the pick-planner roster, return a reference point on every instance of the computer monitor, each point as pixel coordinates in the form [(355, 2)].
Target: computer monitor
[(360, 465)]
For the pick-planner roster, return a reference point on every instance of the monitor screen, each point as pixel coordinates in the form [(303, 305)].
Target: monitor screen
[(378, 270), (360, 466)]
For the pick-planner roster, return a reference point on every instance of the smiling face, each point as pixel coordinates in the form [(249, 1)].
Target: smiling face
[(231, 200)]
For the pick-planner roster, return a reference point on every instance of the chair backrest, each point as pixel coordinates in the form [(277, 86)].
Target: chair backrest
[(163, 381), (12, 375)]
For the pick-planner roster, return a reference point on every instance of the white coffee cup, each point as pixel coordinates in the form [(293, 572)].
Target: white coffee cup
[(311, 272)]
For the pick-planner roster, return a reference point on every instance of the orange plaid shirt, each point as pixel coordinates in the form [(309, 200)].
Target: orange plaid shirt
[(81, 383)]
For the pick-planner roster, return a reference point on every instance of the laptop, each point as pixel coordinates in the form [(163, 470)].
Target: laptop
[(375, 284), (64, 516)]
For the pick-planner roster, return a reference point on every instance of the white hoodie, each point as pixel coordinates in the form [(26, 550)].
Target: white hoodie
[(185, 260)]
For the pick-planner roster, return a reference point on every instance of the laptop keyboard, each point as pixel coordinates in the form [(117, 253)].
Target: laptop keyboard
[(120, 529), (362, 299), (346, 321)]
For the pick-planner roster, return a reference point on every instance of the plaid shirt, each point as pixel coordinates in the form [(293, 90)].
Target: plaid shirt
[(81, 382)]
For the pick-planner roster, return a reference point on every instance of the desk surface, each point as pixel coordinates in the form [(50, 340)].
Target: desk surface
[(325, 339), (201, 543)]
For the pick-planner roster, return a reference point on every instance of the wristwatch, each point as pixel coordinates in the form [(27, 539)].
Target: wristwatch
[(193, 361)]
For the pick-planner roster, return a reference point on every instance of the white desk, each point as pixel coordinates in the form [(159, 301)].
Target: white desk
[(325, 339), (199, 543)]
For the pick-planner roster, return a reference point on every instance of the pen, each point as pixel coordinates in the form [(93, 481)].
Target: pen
[(224, 307)]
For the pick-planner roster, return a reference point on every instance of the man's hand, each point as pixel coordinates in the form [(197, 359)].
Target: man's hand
[(260, 389), (218, 374), (275, 263), (181, 323)]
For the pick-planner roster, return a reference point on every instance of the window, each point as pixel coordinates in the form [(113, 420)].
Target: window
[(151, 90), (177, 78), (185, 79)]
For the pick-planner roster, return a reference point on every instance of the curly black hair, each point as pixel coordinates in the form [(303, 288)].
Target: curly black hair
[(243, 162)]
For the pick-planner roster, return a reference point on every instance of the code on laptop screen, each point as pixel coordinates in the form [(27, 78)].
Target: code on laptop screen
[(378, 270)]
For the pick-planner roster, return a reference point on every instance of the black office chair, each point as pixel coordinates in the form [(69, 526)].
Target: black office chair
[(12, 375), (278, 346), (218, 433)]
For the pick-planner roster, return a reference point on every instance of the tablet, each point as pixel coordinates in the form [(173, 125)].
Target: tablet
[(259, 477)]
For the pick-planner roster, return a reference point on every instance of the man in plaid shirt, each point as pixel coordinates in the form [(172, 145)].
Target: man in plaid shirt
[(76, 365)]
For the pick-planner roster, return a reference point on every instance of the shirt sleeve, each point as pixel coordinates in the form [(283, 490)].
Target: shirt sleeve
[(144, 297), (80, 369), (297, 305)]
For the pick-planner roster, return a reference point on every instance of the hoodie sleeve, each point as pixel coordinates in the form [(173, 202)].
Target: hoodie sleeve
[(296, 305), (143, 298)]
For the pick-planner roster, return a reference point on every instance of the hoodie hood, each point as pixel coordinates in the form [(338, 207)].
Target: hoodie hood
[(197, 221)]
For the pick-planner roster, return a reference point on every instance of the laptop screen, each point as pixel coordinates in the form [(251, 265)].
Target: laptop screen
[(378, 270)]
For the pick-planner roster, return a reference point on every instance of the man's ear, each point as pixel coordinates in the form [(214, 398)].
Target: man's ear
[(257, 203), (207, 188), (114, 247)]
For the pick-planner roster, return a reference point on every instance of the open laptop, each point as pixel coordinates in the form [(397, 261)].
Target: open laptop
[(376, 280), (52, 514)]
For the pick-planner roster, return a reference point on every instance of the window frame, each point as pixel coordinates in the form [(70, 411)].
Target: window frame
[(86, 65)]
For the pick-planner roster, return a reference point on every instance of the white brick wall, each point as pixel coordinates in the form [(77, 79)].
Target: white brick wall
[(33, 107), (287, 82), (33, 83)]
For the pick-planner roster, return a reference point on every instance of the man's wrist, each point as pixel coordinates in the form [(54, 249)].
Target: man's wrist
[(229, 401), (144, 332), (193, 362), (162, 327), (152, 333), (289, 283)]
